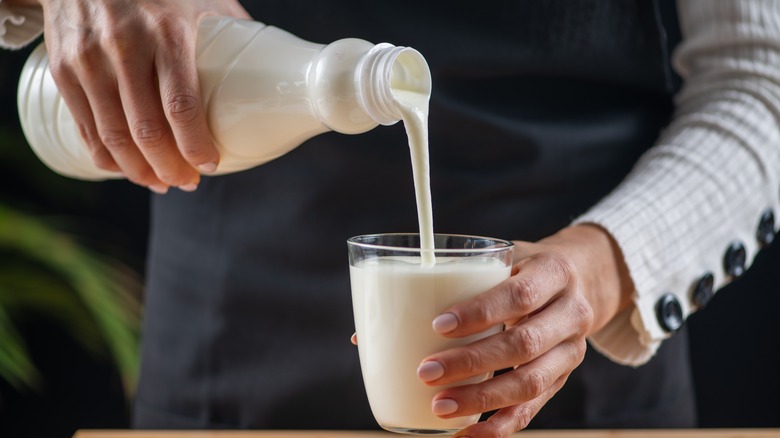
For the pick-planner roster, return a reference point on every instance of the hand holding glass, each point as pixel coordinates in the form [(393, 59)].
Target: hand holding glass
[(395, 299)]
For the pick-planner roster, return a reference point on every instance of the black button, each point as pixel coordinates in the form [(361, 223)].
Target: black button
[(703, 290), (735, 258), (766, 228), (669, 313)]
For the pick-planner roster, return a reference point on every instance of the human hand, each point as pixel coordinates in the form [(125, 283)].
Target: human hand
[(562, 289), (126, 69)]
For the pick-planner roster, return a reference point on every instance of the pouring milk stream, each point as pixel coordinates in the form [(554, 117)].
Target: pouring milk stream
[(414, 110)]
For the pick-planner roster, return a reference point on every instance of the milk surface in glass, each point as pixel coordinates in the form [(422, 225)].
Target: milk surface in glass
[(395, 299)]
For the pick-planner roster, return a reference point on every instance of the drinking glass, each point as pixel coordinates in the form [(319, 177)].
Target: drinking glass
[(395, 297)]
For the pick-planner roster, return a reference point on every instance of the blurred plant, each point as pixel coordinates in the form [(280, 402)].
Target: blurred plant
[(45, 272), (72, 256)]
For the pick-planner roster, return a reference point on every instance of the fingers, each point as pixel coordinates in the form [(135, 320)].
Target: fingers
[(353, 339), (100, 87), (522, 385), (546, 315), (512, 418), (538, 280), (78, 104), (145, 119), (565, 318), (180, 94)]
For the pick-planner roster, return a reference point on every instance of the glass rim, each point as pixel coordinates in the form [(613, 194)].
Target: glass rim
[(504, 244)]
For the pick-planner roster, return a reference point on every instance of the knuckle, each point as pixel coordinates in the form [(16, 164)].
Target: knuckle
[(183, 108), (583, 313), (116, 140), (578, 350), (124, 33), (87, 53), (559, 382), (149, 134), (59, 68), (535, 383), (170, 29), (528, 340), (480, 314), (560, 265), (523, 294), (471, 360), (484, 400), (124, 46), (523, 417)]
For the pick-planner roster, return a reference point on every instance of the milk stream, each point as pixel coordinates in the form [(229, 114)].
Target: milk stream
[(414, 113)]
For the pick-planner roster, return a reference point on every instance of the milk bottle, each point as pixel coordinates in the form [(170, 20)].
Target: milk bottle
[(265, 91)]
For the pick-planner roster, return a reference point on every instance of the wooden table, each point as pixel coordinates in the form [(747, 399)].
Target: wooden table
[(682, 433)]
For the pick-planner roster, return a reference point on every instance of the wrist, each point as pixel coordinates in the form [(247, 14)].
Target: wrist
[(601, 269)]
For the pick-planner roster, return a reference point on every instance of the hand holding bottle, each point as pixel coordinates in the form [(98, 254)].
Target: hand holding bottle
[(126, 69), (250, 82)]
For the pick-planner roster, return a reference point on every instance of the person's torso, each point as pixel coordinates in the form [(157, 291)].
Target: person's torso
[(539, 108)]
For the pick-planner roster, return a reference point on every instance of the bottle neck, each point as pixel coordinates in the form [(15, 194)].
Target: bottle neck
[(386, 68)]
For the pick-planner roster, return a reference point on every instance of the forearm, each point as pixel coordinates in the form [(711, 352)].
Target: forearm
[(706, 185)]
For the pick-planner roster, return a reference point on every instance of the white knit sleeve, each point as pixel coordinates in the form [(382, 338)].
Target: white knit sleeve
[(19, 26), (699, 205)]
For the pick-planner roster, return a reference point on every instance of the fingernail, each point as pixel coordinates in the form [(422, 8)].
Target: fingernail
[(444, 406), (430, 370), (189, 187), (208, 167), (160, 189), (445, 323)]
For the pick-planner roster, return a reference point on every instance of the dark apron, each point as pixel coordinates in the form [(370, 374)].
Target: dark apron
[(539, 109)]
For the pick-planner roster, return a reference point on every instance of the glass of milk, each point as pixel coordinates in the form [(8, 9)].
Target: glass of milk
[(396, 294)]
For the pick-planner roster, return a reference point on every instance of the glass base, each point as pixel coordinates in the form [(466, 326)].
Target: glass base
[(412, 431)]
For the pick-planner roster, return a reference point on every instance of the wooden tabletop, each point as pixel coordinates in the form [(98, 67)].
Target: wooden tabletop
[(656, 433)]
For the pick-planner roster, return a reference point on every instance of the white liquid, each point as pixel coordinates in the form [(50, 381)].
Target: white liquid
[(414, 111), (394, 301)]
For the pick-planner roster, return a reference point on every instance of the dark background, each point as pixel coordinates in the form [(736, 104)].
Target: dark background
[(735, 347)]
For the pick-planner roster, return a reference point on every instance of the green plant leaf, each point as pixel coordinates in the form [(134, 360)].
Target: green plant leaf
[(15, 364), (94, 298)]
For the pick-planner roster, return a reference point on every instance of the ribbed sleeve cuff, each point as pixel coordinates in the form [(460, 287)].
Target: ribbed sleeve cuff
[(19, 26), (689, 217)]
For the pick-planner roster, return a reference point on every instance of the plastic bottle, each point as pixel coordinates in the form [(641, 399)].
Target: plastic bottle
[(264, 90)]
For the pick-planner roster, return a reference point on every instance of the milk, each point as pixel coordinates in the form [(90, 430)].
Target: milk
[(394, 301), (414, 112)]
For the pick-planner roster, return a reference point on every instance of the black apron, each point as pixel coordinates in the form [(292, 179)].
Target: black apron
[(539, 109)]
